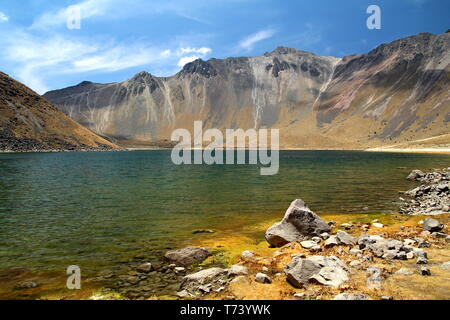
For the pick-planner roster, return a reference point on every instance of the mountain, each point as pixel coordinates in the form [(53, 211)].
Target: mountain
[(28, 122), (396, 93)]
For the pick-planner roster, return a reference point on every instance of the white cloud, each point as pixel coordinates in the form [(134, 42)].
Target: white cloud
[(251, 40), (202, 50), (183, 61), (3, 17)]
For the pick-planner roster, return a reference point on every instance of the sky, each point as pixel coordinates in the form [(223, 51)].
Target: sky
[(43, 46)]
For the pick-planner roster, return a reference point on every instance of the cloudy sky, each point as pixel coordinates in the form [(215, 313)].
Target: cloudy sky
[(118, 38)]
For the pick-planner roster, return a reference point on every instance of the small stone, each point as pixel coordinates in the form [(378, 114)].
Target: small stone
[(351, 296), (145, 268), (184, 294), (27, 285), (432, 225), (386, 298), (316, 240), (180, 269), (355, 264), (377, 225), (346, 226), (202, 231), (325, 235), (410, 255), (248, 254), (404, 272), (344, 238), (425, 271), (300, 295), (237, 270), (439, 235), (331, 242), (308, 244), (355, 251), (263, 278), (265, 269), (409, 242), (446, 265), (422, 260)]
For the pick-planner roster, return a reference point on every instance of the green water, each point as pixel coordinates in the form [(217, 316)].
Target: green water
[(95, 209)]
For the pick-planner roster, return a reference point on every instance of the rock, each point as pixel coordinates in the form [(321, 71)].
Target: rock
[(239, 279), (248, 254), (317, 240), (374, 280), (344, 238), (331, 242), (355, 251), (404, 272), (347, 226), (263, 278), (387, 298), (202, 231), (422, 260), (425, 271), (145, 268), (439, 235), (409, 242), (237, 270), (308, 244), (421, 243), (328, 271), (298, 224), (300, 295), (415, 175), (26, 285), (179, 269), (446, 265), (187, 256), (265, 269), (432, 225), (377, 225), (204, 281), (184, 295), (351, 296)]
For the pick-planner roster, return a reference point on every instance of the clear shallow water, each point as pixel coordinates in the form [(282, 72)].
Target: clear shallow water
[(95, 209)]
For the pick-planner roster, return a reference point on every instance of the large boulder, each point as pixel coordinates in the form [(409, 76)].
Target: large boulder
[(187, 256), (328, 271), (298, 224)]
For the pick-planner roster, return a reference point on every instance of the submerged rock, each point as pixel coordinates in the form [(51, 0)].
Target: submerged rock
[(328, 271), (187, 256), (299, 223)]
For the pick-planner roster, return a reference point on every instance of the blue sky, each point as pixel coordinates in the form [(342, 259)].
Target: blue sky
[(119, 38)]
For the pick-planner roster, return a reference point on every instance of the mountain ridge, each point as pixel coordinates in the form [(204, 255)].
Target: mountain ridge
[(358, 101)]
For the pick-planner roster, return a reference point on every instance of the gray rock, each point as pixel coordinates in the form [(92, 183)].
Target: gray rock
[(263, 278), (26, 285), (425, 271), (446, 265), (355, 264), (331, 242), (204, 281), (432, 225), (346, 239), (237, 270), (415, 175), (328, 271), (422, 260), (187, 256), (298, 224), (351, 296), (325, 236), (308, 244), (377, 225)]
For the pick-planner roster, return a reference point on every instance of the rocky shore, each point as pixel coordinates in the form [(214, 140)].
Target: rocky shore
[(313, 259), (432, 197)]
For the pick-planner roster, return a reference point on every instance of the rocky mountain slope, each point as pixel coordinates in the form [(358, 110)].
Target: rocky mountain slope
[(28, 122), (398, 92)]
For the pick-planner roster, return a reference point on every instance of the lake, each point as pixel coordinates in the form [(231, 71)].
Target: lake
[(96, 209)]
